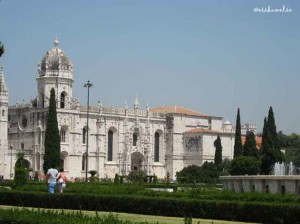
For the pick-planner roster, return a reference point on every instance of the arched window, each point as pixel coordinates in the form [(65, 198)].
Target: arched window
[(84, 135), (135, 138), (62, 135), (156, 147), (83, 161), (62, 100), (110, 145), (3, 113)]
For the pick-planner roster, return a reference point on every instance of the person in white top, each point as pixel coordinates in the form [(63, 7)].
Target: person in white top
[(51, 179)]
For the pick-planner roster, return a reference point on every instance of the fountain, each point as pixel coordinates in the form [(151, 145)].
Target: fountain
[(282, 169), (291, 169), (282, 179)]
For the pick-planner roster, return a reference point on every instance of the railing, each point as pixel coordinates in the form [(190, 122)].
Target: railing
[(121, 111)]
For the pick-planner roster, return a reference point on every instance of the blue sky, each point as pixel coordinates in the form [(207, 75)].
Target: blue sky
[(212, 56)]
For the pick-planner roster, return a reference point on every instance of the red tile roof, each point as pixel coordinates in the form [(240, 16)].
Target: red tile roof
[(258, 140), (177, 110)]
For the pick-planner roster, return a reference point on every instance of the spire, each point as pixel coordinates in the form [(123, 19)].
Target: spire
[(147, 107), (99, 103), (136, 103), (125, 105)]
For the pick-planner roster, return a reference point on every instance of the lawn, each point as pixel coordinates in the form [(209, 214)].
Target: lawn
[(140, 218)]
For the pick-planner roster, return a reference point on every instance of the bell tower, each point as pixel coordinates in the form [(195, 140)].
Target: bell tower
[(55, 71), (4, 160)]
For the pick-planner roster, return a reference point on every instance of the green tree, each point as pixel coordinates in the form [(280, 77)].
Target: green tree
[(218, 152), (52, 139), (244, 165), (264, 137), (292, 154), (291, 145), (1, 49), (209, 173), (270, 145), (250, 146), (224, 167), (21, 171), (283, 140), (268, 158), (189, 174), (274, 136), (238, 147)]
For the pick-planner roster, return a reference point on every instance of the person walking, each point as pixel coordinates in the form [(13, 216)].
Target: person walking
[(62, 180), (51, 179)]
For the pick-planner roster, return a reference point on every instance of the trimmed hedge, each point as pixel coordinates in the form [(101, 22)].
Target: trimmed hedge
[(207, 209), (25, 216)]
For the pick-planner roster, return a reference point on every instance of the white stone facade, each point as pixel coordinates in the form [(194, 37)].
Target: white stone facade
[(157, 140)]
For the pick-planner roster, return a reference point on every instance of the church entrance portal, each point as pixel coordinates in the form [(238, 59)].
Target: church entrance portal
[(137, 161)]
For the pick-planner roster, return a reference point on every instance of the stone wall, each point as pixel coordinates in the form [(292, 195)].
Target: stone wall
[(263, 184)]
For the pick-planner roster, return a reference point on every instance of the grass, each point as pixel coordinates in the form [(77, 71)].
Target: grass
[(141, 218)]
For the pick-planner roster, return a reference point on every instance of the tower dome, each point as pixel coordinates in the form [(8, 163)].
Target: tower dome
[(55, 71), (55, 60), (227, 122)]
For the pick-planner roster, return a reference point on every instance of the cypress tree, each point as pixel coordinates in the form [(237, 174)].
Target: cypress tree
[(250, 146), (1, 49), (268, 158), (218, 152), (52, 138), (274, 136), (264, 137), (238, 147)]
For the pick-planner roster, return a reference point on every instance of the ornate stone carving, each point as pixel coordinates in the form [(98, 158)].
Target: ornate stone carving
[(170, 122), (193, 143)]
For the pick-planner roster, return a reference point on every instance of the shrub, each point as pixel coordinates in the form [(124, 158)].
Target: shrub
[(21, 172), (36, 176), (93, 178), (117, 179), (137, 176), (244, 165), (208, 173), (190, 174)]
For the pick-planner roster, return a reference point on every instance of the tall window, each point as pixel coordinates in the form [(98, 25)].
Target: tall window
[(135, 138), (83, 161), (39, 136), (62, 100), (84, 135), (38, 158), (110, 145), (3, 113), (43, 100), (156, 147), (62, 135)]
